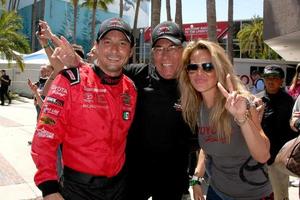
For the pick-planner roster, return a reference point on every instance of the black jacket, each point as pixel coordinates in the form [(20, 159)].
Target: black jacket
[(158, 132), (275, 122)]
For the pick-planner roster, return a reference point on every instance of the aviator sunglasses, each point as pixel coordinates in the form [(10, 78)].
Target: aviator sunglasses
[(207, 67)]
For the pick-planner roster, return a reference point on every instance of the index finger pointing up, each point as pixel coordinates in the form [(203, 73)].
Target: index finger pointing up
[(229, 83), (222, 89)]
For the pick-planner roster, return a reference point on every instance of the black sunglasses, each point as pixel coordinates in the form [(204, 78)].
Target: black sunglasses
[(207, 67)]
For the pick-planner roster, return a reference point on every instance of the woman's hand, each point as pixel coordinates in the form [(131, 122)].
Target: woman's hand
[(236, 103), (198, 193)]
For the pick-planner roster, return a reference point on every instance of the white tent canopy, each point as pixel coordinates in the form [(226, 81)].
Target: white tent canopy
[(32, 70), (39, 57)]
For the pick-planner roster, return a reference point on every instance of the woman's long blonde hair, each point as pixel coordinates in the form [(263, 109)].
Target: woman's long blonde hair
[(220, 119)]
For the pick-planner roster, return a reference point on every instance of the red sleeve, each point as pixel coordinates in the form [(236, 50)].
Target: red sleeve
[(49, 134)]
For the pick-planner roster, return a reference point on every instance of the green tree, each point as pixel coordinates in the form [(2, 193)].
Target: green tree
[(252, 43), (10, 39), (94, 4)]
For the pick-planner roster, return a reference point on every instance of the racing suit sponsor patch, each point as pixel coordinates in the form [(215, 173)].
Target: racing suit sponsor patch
[(88, 97), (47, 120), (47, 109), (72, 74), (55, 101), (42, 133), (98, 90), (126, 98), (60, 91), (126, 115)]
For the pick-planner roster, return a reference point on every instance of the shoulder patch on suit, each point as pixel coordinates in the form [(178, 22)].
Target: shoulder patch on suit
[(72, 74)]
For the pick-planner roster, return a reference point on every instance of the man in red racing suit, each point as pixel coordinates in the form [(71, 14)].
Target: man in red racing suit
[(89, 113)]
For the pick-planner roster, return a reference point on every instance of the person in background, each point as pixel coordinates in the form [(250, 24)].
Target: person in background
[(158, 141), (275, 123), (5, 83), (45, 71), (91, 55), (294, 89), (295, 125), (258, 82), (245, 80), (89, 111), (216, 104)]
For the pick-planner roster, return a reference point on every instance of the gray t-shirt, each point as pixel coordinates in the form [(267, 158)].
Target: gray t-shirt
[(224, 163)]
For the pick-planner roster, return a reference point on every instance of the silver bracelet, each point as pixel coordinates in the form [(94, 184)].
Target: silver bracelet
[(242, 121)]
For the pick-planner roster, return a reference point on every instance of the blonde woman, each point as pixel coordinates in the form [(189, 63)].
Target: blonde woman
[(217, 105)]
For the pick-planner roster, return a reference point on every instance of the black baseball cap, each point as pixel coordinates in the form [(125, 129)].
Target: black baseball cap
[(168, 30), (115, 24), (273, 70)]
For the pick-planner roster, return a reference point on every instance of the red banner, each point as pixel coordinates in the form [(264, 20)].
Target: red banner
[(195, 31)]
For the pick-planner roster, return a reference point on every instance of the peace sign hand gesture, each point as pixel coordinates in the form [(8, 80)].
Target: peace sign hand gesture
[(236, 103)]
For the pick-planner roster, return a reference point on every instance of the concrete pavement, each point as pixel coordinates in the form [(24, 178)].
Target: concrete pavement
[(17, 124)]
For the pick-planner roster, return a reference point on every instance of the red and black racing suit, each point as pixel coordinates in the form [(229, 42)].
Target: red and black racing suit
[(89, 114)]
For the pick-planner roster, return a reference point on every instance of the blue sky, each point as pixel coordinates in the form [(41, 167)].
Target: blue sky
[(194, 11)]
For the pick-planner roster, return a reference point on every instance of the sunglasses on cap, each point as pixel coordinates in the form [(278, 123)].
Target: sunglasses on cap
[(207, 67)]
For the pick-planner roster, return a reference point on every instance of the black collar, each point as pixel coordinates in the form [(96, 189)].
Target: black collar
[(106, 79)]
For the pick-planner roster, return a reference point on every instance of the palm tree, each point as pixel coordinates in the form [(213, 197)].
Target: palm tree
[(42, 9), (155, 12), (178, 15), (3, 2), (136, 15), (10, 39), (13, 4), (168, 10), (251, 40), (94, 4), (121, 9), (211, 20), (134, 30), (75, 5), (230, 31), (33, 24)]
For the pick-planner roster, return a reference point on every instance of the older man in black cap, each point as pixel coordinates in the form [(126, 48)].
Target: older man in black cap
[(158, 147), (275, 123), (89, 111)]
